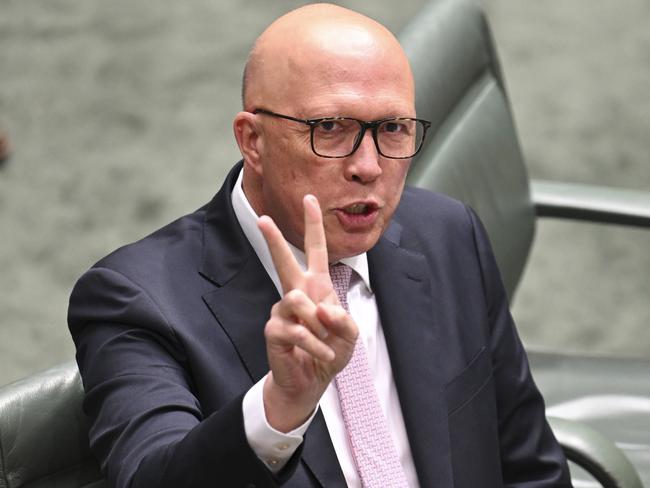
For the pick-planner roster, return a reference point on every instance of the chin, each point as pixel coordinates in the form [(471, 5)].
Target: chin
[(352, 247)]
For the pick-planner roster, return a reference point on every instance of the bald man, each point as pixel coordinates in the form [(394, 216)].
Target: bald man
[(219, 352)]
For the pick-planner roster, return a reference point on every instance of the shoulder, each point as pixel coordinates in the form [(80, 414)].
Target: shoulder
[(421, 203), (143, 282), (178, 240), (154, 263), (442, 228), (427, 215)]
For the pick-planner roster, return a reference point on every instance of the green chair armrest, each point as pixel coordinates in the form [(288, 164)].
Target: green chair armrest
[(44, 432), (591, 203), (595, 453)]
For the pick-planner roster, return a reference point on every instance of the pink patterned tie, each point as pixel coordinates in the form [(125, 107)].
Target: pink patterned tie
[(373, 449)]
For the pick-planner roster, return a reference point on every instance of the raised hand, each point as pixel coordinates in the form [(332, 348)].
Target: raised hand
[(309, 337)]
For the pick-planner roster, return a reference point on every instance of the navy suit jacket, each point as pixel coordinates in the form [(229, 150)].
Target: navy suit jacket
[(169, 337)]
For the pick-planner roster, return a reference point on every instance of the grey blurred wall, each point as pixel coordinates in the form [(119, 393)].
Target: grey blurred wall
[(119, 114)]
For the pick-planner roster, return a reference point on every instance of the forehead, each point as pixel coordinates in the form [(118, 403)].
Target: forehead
[(350, 83), (363, 103), (336, 67)]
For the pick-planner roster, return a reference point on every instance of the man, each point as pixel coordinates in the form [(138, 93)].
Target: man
[(216, 353)]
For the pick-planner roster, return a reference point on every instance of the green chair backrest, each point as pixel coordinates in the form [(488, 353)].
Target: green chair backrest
[(472, 152)]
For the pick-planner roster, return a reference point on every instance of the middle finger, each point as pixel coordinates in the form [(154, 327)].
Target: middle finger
[(315, 240)]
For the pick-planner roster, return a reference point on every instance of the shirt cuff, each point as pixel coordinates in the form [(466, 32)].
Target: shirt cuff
[(272, 447)]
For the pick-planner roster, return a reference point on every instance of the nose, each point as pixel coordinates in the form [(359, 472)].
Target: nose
[(363, 166)]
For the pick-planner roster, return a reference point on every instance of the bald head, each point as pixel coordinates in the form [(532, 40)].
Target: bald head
[(319, 43)]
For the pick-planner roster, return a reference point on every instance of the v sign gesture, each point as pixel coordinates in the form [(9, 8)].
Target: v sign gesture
[(309, 336)]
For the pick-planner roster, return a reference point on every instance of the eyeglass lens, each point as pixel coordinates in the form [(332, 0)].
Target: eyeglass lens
[(396, 138)]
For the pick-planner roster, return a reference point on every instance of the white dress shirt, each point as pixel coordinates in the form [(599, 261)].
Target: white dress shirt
[(274, 447)]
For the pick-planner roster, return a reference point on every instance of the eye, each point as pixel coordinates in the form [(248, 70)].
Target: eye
[(328, 126), (339, 127), (394, 127)]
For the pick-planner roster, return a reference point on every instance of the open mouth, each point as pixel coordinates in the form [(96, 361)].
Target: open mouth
[(358, 216), (359, 209)]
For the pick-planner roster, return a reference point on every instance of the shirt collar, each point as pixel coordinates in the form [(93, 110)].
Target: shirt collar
[(247, 219)]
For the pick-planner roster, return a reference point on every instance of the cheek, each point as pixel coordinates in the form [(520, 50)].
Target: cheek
[(401, 170), (395, 181), (285, 186), (294, 176), (308, 176)]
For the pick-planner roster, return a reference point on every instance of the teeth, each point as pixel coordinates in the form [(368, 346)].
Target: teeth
[(357, 208)]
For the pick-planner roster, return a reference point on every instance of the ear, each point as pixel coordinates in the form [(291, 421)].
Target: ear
[(248, 136)]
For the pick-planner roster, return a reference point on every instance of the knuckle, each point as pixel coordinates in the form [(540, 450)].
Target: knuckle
[(272, 328), (293, 297), (300, 334), (268, 332)]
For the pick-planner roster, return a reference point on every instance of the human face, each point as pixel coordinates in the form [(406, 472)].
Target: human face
[(358, 194)]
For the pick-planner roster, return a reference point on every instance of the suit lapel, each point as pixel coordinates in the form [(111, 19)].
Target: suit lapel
[(410, 320), (244, 293), (241, 303), (319, 455), (242, 308)]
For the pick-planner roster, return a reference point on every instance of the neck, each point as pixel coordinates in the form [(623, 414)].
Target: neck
[(252, 187)]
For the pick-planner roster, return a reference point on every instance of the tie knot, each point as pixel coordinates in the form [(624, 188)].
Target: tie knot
[(340, 274)]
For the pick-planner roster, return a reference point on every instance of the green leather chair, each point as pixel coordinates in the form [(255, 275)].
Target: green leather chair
[(44, 434), (473, 154)]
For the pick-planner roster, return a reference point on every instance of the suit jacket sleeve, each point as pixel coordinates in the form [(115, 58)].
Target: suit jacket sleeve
[(147, 426), (530, 455)]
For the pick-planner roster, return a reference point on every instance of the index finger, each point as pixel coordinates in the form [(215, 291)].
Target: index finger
[(315, 241), (285, 262)]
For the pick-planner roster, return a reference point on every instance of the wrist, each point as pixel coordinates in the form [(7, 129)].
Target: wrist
[(285, 412)]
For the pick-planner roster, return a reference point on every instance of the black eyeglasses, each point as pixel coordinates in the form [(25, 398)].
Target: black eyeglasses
[(339, 137)]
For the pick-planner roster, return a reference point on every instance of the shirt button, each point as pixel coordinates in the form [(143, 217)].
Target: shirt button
[(283, 447), (272, 462)]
